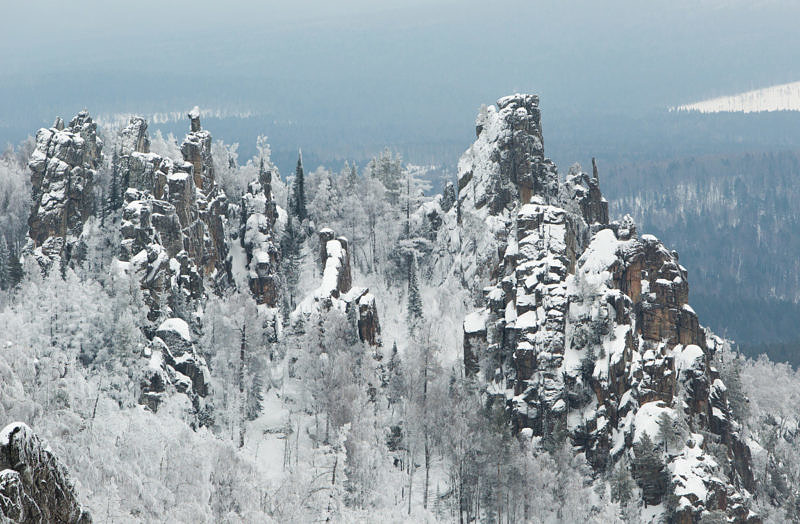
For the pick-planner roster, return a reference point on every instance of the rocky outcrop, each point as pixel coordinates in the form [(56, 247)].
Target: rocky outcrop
[(503, 167), (34, 485), (172, 229), (173, 240), (196, 149), (259, 214), (583, 191), (336, 291), (63, 169), (587, 329), (153, 248), (174, 365)]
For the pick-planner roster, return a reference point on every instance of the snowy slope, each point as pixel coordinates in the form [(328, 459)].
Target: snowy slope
[(783, 97)]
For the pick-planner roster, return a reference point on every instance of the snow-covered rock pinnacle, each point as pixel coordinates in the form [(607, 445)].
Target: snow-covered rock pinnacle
[(587, 333), (63, 168), (336, 291)]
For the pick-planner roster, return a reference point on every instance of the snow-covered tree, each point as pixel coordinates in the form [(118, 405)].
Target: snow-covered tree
[(388, 169), (5, 259), (650, 471)]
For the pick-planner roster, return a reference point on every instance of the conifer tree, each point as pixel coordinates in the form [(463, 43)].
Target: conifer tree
[(15, 270), (649, 471), (115, 196), (290, 260), (105, 206), (414, 312), (298, 203), (255, 396), (5, 257), (621, 484), (352, 176), (667, 431), (394, 370)]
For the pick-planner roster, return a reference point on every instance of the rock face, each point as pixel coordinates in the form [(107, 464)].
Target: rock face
[(337, 291), (172, 229), (587, 329), (504, 166), (174, 365), (257, 236), (63, 168), (34, 485)]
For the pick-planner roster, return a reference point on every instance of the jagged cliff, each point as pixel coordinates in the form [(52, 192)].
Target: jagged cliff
[(34, 485), (172, 226), (63, 169), (173, 219), (586, 329), (173, 230)]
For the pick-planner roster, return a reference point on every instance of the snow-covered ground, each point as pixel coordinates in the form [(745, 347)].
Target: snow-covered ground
[(783, 97)]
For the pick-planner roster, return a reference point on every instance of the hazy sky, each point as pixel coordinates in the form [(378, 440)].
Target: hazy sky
[(397, 68)]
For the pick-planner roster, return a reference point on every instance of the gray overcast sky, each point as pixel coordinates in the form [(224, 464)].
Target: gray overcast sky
[(403, 67)]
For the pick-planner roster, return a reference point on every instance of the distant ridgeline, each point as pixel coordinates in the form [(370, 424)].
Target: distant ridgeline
[(585, 330)]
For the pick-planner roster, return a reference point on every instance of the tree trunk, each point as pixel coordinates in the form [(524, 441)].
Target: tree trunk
[(410, 477), (427, 472), (241, 386)]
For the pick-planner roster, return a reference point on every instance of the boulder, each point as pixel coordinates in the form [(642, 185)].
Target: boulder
[(337, 291), (34, 485)]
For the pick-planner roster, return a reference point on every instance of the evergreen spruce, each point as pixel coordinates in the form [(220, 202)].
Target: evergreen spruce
[(115, 192), (414, 311), (352, 176), (649, 471), (290, 260), (298, 203), (587, 365), (15, 271), (5, 257), (621, 484), (667, 431), (255, 397), (394, 371)]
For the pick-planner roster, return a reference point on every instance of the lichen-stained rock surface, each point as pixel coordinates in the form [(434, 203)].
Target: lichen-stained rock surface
[(63, 169), (586, 331), (336, 291), (34, 485)]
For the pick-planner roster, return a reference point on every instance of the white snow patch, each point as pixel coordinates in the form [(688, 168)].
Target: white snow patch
[(475, 322), (176, 325), (687, 357), (782, 97), (646, 420)]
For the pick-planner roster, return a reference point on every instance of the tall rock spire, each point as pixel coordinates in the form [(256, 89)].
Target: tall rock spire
[(63, 169), (587, 333)]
